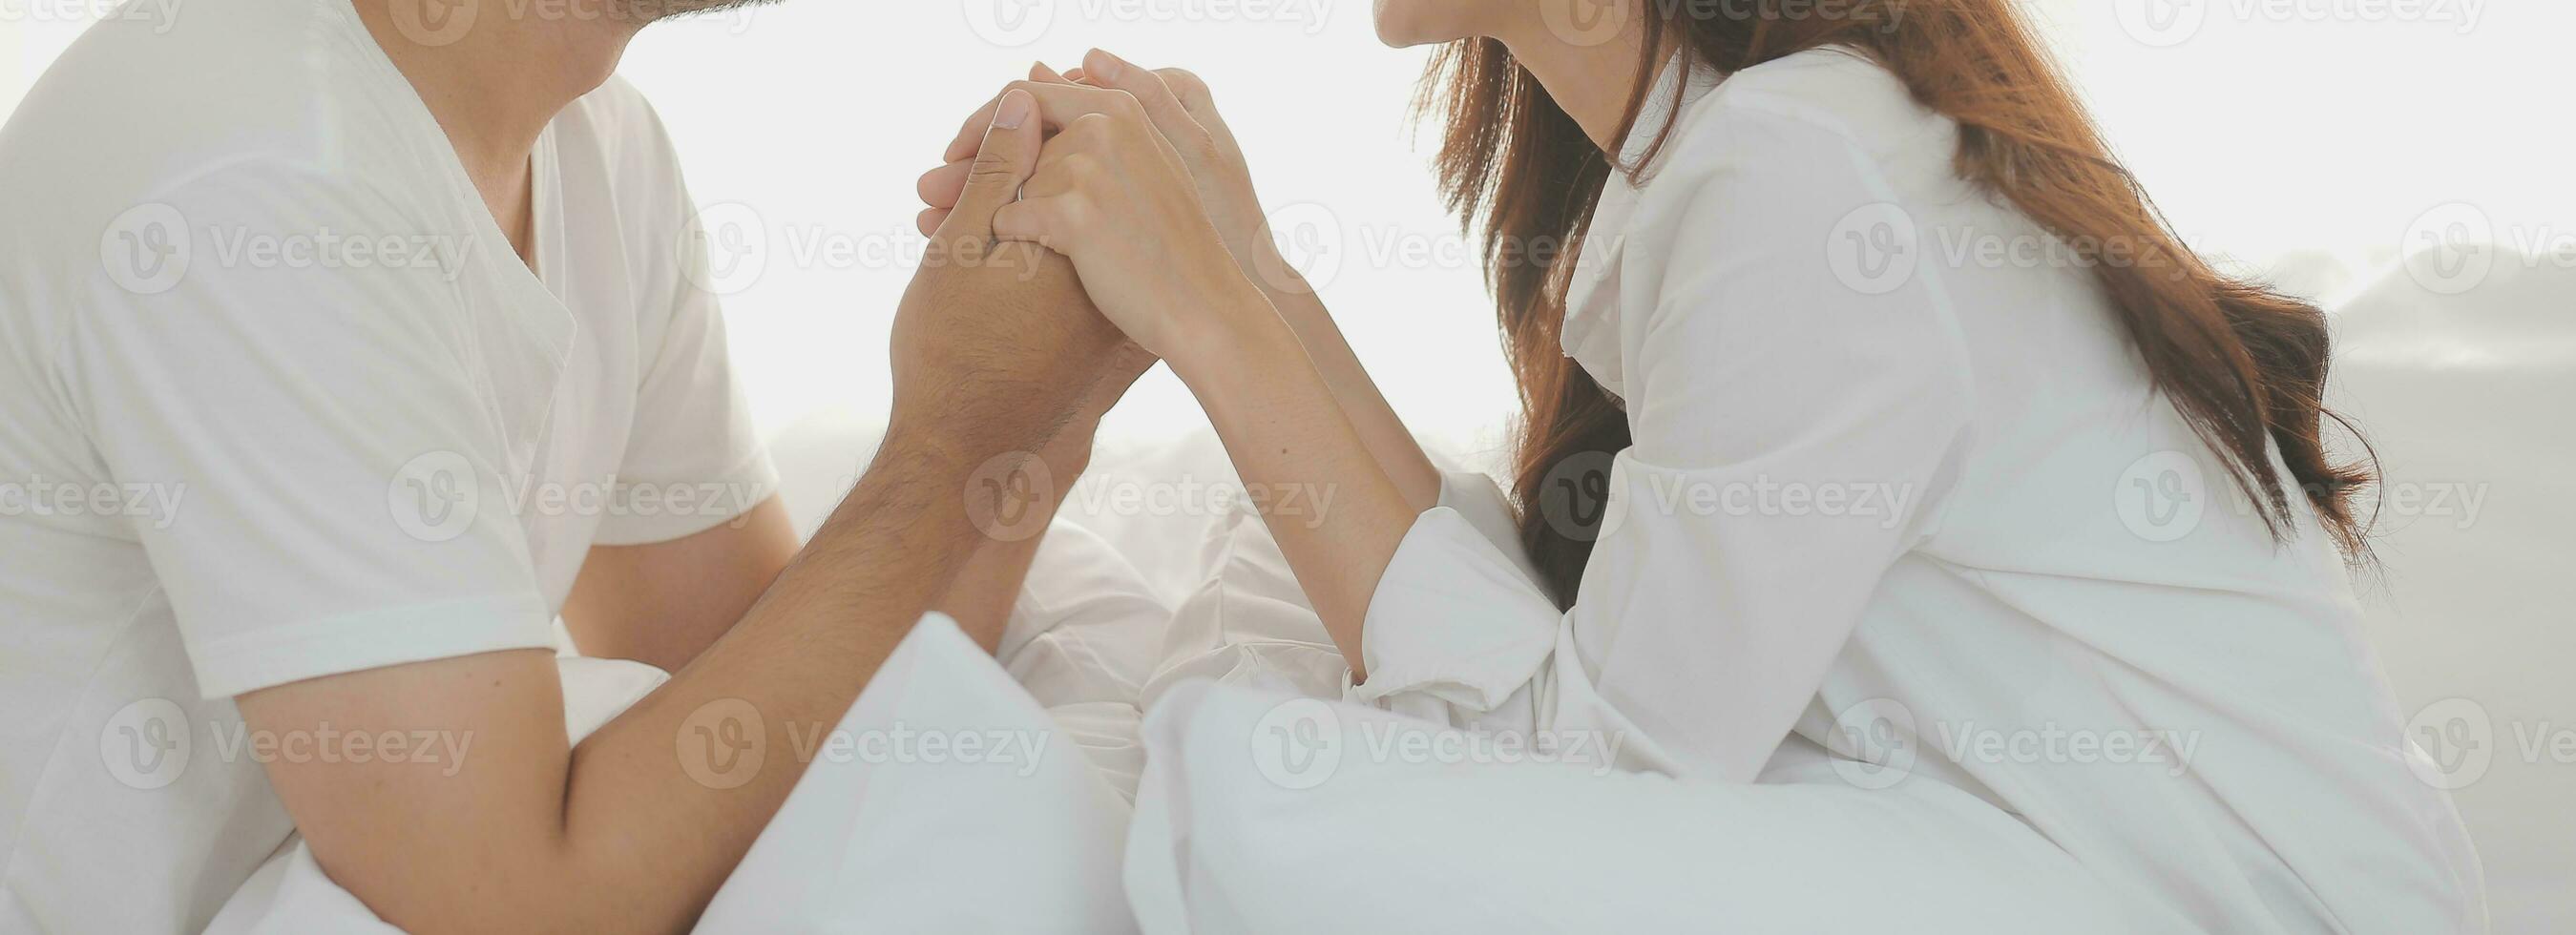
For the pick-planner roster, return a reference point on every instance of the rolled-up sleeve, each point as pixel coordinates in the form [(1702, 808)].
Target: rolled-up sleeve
[(1453, 621), (1478, 500), (1793, 431)]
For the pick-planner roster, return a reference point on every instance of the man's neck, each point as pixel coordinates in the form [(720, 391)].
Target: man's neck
[(494, 84)]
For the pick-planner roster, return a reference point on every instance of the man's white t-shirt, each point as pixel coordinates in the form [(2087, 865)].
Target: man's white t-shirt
[(278, 400)]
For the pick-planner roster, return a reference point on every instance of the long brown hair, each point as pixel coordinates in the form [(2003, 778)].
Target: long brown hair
[(2243, 363)]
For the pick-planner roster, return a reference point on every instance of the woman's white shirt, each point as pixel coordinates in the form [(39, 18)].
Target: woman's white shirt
[(1901, 491)]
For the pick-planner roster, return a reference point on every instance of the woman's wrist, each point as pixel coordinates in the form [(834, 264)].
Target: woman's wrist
[(1243, 331), (1290, 295), (1279, 279)]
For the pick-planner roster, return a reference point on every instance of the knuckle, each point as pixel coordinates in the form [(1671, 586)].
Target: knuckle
[(1196, 144), (990, 168), (1075, 211), (1090, 127), (1185, 84)]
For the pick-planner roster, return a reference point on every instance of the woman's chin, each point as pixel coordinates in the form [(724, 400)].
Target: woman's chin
[(1404, 23)]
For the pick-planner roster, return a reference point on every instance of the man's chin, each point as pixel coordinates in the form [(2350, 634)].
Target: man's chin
[(650, 10)]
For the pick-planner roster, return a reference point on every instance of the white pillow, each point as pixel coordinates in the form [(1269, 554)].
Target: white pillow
[(1027, 841)]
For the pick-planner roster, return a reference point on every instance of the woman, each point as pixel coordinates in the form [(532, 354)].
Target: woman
[(1922, 435)]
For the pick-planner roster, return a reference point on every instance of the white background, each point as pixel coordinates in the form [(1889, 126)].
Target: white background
[(2301, 136)]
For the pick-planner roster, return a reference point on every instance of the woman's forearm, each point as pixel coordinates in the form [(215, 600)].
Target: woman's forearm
[(1329, 503), (1121, 202), (1380, 430)]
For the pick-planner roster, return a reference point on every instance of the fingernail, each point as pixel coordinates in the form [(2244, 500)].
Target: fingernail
[(1107, 66), (1014, 109)]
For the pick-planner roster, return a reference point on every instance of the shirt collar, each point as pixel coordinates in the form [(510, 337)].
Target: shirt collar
[(1591, 298)]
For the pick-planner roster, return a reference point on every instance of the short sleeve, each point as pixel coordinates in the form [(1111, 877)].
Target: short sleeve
[(693, 437), (334, 467)]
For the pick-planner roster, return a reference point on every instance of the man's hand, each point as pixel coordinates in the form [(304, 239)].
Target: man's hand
[(1000, 337)]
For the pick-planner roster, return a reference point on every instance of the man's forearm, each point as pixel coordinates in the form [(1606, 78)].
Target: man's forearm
[(663, 603), (1012, 506), (661, 828), (983, 593)]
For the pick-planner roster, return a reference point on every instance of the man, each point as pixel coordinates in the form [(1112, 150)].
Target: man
[(383, 316)]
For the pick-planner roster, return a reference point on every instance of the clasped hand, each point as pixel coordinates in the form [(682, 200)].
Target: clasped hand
[(995, 348), (1141, 185), (1081, 228)]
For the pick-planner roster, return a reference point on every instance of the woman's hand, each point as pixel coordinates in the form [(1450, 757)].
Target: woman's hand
[(1112, 194), (1178, 104)]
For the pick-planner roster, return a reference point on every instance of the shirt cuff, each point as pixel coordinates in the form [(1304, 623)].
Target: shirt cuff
[(1455, 618), (646, 512), (392, 636), (1480, 501)]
